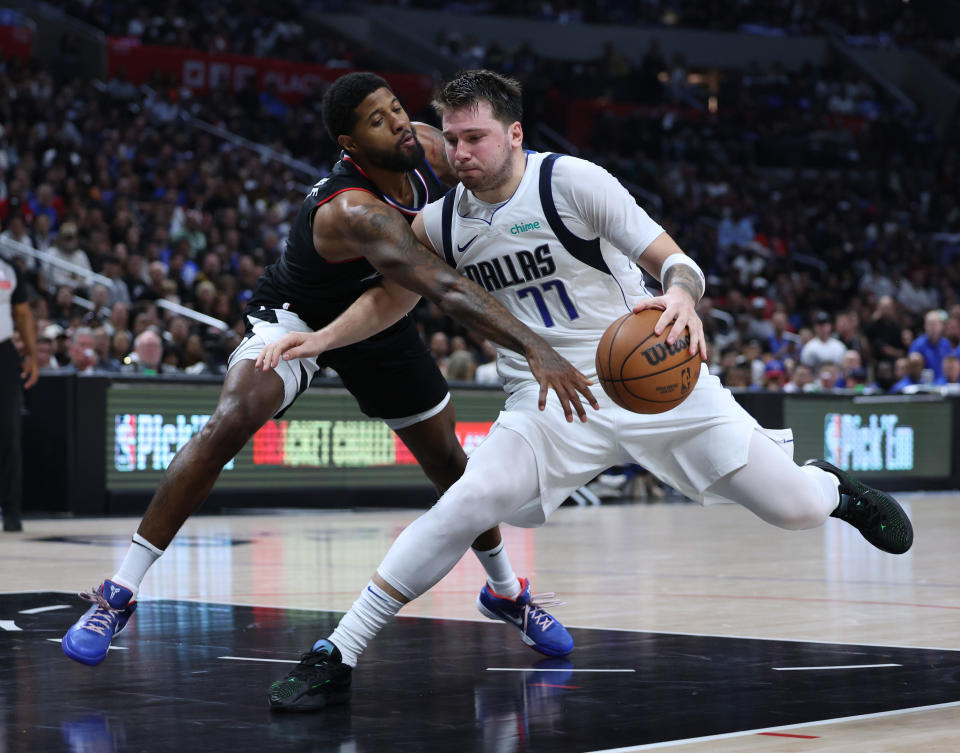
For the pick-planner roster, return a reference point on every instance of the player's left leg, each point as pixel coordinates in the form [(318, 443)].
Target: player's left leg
[(434, 444), (780, 492)]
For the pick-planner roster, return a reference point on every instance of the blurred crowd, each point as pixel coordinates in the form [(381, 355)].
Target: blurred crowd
[(825, 217), (917, 23)]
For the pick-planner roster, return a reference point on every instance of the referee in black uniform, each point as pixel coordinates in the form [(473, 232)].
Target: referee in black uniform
[(15, 313)]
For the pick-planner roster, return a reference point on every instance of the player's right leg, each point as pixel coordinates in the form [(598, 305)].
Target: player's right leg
[(248, 399)]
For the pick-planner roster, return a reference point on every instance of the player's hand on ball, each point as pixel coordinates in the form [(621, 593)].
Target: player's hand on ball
[(555, 372), (680, 309), (291, 345)]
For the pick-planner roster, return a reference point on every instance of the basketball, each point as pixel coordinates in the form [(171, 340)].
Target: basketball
[(639, 370)]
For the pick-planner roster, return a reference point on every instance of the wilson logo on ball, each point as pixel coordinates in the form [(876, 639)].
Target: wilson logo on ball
[(639, 370), (659, 352)]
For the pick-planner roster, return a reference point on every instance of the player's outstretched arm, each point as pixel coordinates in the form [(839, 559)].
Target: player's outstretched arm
[(682, 290), (374, 230), (378, 308)]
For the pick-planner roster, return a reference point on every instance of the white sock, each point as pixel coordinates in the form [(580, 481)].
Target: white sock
[(829, 484), (500, 573), (140, 556), (373, 609)]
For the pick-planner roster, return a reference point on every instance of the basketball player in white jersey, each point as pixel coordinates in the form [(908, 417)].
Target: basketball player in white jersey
[(557, 240)]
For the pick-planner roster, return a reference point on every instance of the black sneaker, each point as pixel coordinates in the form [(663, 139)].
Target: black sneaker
[(320, 679), (876, 515)]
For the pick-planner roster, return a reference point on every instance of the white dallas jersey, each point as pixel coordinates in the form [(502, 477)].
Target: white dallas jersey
[(559, 254)]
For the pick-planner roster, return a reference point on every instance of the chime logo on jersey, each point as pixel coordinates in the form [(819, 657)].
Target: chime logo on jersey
[(523, 227), (512, 269), (659, 352)]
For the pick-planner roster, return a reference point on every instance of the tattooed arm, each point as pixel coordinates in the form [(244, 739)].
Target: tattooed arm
[(357, 223), (682, 290)]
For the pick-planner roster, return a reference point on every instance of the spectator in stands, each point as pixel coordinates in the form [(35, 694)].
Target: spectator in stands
[(118, 287), (915, 293), (782, 343), (847, 330), (884, 331), (823, 348), (827, 377), (461, 366), (949, 381), (120, 347), (147, 356), (45, 360), (16, 231), (83, 358), (932, 345), (64, 311), (67, 250), (487, 370), (46, 202), (136, 278), (195, 356), (119, 319), (951, 331), (101, 346), (42, 236), (774, 376), (58, 336), (912, 379), (852, 361), (100, 309), (440, 349), (802, 380)]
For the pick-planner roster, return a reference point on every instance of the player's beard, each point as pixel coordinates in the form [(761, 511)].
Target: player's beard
[(399, 159), (489, 181)]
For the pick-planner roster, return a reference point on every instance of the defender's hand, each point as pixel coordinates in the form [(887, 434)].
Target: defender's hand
[(291, 345), (678, 307), (554, 372)]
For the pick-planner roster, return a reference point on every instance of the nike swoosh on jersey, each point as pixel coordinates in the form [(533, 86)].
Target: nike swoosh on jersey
[(463, 249)]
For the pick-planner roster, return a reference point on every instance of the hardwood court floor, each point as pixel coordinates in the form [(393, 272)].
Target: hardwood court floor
[(666, 590)]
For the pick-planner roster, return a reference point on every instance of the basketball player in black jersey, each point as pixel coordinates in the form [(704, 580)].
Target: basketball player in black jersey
[(351, 233)]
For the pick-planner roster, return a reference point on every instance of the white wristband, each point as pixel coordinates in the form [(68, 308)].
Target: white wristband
[(687, 262)]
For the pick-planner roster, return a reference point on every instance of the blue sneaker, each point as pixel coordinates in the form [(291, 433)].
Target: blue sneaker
[(89, 639), (540, 630)]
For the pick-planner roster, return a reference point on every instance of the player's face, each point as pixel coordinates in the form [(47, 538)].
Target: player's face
[(480, 147), (383, 134)]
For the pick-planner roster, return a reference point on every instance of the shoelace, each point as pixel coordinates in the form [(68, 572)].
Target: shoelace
[(869, 510), (534, 610), (104, 618), (308, 664)]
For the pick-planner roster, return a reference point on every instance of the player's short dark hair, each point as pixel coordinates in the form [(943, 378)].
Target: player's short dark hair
[(342, 98), (469, 88)]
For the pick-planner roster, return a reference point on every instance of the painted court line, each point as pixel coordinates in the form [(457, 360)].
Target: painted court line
[(38, 610), (111, 648), (762, 730), (535, 669), (250, 658), (838, 666)]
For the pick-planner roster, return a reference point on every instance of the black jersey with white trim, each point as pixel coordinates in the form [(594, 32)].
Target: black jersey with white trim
[(304, 282)]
